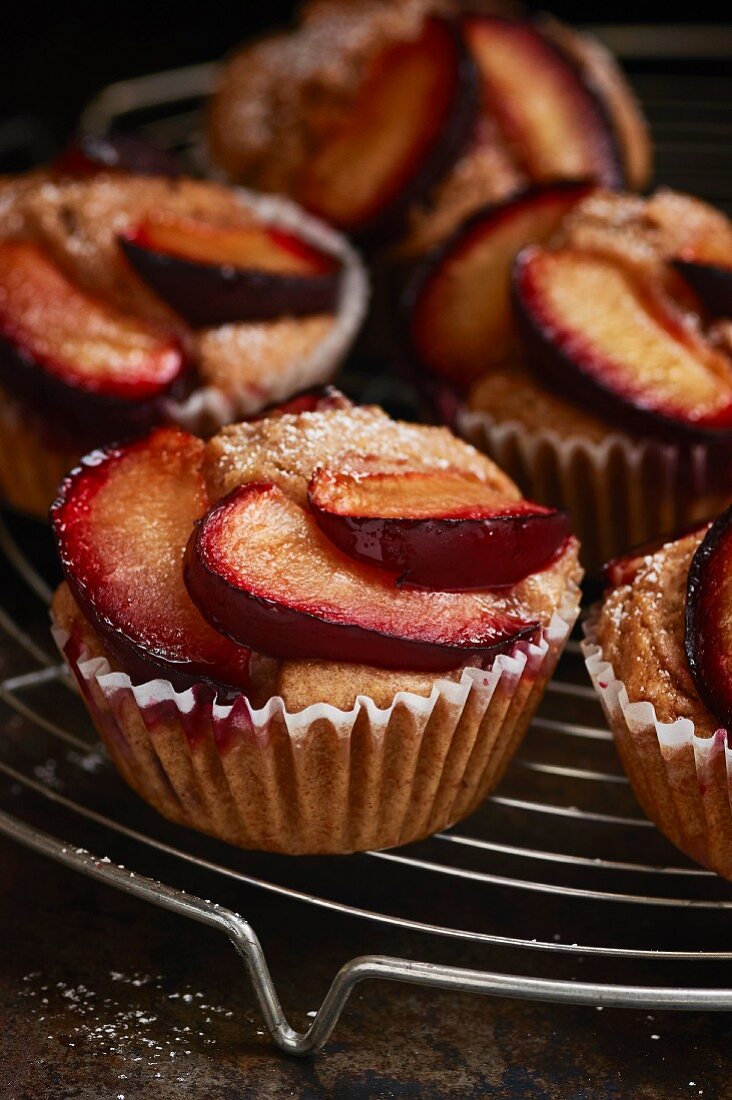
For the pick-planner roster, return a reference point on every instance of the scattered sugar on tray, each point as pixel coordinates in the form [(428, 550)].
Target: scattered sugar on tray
[(107, 1028)]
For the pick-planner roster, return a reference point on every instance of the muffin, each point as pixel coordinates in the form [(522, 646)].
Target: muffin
[(397, 118), (321, 631), (128, 301), (658, 653), (582, 338)]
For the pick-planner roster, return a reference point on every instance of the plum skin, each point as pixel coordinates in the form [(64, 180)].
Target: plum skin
[(82, 416), (451, 555), (269, 627), (387, 219), (704, 650), (556, 370), (427, 268), (216, 294)]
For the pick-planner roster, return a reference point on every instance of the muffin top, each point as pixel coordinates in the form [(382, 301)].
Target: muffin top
[(250, 304), (284, 99), (254, 485), (616, 322), (641, 631)]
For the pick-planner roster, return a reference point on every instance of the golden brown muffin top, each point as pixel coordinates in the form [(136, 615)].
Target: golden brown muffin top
[(285, 450), (268, 89), (77, 222), (511, 393), (277, 96), (641, 633), (645, 232)]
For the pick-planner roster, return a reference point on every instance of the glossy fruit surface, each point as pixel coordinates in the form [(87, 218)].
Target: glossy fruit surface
[(457, 306), (121, 522), (441, 529), (708, 638), (55, 334), (262, 572), (597, 331), (214, 275)]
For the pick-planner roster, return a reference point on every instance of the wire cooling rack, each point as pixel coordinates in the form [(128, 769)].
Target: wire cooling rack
[(557, 889)]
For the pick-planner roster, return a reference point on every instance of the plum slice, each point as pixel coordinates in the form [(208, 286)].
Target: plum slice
[(598, 331), (457, 305), (708, 633), (89, 153), (705, 263), (555, 126), (121, 522), (55, 337), (439, 528), (214, 275), (412, 115), (263, 573)]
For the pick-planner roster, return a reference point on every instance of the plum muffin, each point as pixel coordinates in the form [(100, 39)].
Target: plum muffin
[(658, 651), (582, 337), (321, 631), (128, 301), (398, 118)]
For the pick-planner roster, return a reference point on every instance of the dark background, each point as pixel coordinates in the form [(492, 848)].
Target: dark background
[(59, 55)]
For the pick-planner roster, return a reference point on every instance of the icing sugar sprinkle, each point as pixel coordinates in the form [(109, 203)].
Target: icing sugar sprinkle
[(123, 1027)]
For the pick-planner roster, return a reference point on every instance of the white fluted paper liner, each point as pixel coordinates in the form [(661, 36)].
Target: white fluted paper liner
[(620, 492), (209, 408), (682, 780), (322, 780)]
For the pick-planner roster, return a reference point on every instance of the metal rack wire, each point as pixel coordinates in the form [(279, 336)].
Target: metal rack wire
[(645, 927)]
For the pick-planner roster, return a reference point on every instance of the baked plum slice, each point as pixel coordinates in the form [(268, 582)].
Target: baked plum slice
[(412, 114), (121, 522), (549, 117), (89, 153), (213, 274), (598, 331), (60, 344), (262, 572), (456, 307), (439, 528), (708, 634)]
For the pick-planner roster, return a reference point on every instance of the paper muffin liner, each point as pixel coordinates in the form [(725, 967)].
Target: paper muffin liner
[(322, 780), (620, 492), (32, 464), (681, 779)]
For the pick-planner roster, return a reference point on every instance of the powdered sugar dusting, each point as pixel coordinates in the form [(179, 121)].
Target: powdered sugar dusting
[(129, 1024)]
